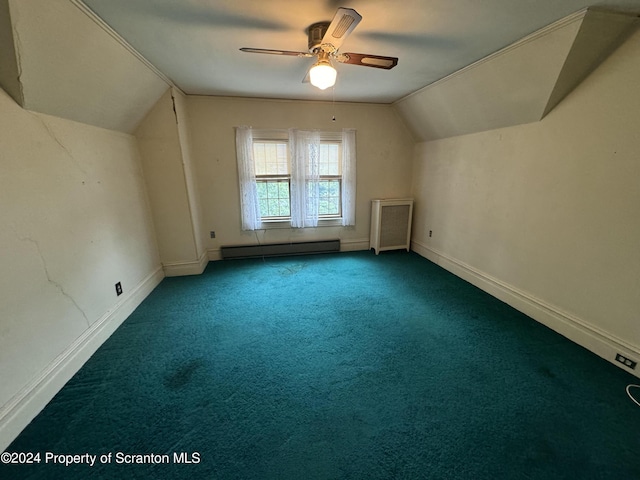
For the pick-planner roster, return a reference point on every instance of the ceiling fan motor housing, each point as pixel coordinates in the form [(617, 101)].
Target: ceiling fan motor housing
[(316, 34), (324, 40)]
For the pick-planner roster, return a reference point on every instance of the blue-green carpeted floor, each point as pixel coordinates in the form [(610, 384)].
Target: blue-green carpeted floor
[(344, 366)]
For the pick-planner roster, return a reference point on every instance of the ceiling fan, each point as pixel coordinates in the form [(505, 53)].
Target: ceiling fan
[(325, 38)]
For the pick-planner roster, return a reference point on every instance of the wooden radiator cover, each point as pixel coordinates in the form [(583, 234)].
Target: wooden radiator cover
[(391, 224)]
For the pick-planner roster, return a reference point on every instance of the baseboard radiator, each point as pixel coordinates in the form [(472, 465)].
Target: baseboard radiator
[(279, 249)]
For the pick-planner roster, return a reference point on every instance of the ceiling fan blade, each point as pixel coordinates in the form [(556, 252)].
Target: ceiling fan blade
[(366, 60), (276, 52), (343, 23)]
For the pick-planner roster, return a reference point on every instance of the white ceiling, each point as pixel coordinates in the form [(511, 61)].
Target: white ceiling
[(195, 42)]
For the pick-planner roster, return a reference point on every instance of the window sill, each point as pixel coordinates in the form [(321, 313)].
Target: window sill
[(275, 224)]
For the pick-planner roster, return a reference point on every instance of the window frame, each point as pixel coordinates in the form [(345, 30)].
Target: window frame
[(281, 136)]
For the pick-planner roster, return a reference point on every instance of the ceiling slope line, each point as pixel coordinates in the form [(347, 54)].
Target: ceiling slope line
[(118, 38), (10, 61), (552, 27), (600, 34), (521, 83)]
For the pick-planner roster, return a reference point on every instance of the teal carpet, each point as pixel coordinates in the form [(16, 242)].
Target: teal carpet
[(343, 366)]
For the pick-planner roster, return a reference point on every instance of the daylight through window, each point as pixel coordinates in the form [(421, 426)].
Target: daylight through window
[(273, 179), (305, 178)]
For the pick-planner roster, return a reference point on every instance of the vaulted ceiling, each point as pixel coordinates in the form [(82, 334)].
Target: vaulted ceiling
[(196, 42), (464, 65)]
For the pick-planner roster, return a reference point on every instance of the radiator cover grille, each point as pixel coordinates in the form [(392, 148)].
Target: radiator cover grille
[(279, 249), (391, 224)]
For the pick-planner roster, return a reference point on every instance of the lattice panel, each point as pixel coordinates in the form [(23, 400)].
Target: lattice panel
[(393, 225)]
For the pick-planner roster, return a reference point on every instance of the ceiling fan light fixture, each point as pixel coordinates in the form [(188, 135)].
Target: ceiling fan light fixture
[(323, 75), (325, 39)]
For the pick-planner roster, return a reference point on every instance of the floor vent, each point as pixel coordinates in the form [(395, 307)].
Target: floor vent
[(279, 249)]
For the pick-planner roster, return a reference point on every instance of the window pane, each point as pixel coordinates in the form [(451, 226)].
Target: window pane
[(272, 207), (329, 203), (333, 207), (273, 196), (272, 189), (273, 170), (324, 159), (334, 188), (259, 158), (283, 207), (264, 207), (329, 162), (283, 159), (330, 159), (271, 158)]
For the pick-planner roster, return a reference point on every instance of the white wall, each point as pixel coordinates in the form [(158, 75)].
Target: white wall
[(509, 87), (75, 220), (547, 215), (163, 139), (72, 67), (384, 154), (190, 175), (520, 83)]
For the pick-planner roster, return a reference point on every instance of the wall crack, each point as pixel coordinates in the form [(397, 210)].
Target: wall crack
[(17, 48), (55, 138), (58, 286), (173, 102)]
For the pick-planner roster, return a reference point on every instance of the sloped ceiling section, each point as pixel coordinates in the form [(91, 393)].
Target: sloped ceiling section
[(518, 84), (66, 65), (9, 73)]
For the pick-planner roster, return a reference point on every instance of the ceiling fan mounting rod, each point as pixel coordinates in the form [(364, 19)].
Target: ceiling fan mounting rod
[(323, 56)]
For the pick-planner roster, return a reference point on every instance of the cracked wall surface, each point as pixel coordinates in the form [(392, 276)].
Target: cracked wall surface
[(76, 221), (51, 280), (47, 69), (164, 166)]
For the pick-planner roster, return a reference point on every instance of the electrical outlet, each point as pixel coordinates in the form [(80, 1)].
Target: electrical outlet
[(118, 289), (627, 362), (430, 233), (212, 234)]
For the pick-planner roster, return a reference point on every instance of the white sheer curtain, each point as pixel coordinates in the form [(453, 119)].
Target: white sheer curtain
[(249, 205), (304, 149), (348, 176)]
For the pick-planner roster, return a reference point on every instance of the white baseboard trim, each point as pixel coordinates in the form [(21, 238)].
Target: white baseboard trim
[(214, 254), (23, 407), (575, 329), (179, 269)]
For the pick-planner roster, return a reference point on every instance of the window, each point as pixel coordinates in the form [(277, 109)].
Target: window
[(296, 176), (273, 179), (330, 179)]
